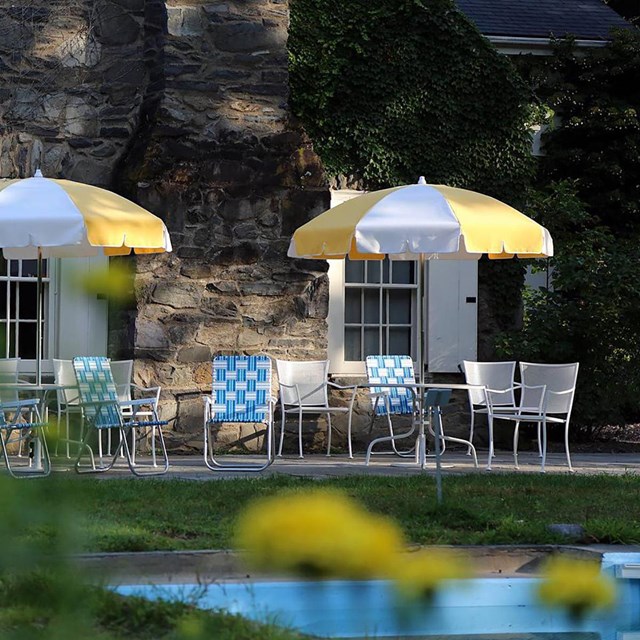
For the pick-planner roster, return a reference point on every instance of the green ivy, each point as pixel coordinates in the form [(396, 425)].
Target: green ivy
[(394, 89)]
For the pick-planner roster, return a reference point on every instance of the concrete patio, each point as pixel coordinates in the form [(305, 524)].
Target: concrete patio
[(453, 462)]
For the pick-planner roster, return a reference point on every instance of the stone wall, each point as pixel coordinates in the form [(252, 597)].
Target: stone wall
[(182, 106)]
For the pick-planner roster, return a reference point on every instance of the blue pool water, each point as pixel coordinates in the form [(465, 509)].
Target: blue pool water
[(492, 607)]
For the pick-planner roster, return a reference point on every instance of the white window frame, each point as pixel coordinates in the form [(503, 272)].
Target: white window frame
[(75, 322), (28, 365), (336, 317), (450, 301)]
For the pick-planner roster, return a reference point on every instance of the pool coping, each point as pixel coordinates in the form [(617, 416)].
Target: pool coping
[(206, 566)]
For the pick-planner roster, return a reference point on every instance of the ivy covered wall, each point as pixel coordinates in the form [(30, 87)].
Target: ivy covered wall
[(394, 89)]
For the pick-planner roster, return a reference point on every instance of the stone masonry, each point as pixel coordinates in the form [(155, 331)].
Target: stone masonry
[(180, 105)]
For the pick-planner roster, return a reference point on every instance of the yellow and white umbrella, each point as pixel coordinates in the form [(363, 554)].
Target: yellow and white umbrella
[(62, 218), (421, 222), (47, 218), (432, 221)]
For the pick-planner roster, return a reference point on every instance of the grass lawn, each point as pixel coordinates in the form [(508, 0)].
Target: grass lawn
[(42, 519), (145, 515)]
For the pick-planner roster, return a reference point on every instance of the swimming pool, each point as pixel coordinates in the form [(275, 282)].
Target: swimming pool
[(347, 609)]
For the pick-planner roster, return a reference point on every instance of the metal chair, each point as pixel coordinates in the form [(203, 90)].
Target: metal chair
[(498, 376), (103, 411), (23, 417), (240, 392), (10, 391), (68, 400), (122, 371), (304, 389), (547, 394), (388, 401)]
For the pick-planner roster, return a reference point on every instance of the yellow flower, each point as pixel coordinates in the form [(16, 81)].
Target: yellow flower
[(576, 585), (421, 573), (114, 282), (317, 533)]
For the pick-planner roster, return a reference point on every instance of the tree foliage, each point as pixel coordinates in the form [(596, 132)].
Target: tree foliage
[(590, 313), (590, 200)]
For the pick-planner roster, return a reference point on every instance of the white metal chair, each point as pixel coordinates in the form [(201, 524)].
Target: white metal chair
[(10, 393), (122, 371), (547, 394), (304, 389), (68, 400), (22, 417), (498, 376), (240, 393)]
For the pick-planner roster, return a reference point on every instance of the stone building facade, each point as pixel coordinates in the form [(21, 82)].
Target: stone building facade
[(181, 106)]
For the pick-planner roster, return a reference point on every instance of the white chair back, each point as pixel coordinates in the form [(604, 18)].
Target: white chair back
[(64, 374), (9, 375), (493, 375), (309, 376), (122, 372), (559, 379)]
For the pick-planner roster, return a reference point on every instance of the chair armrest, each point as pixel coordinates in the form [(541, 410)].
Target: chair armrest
[(154, 392), (99, 403), (339, 386), (19, 405), (137, 402), (297, 388)]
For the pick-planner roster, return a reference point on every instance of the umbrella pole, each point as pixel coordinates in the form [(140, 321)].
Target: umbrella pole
[(425, 412), (39, 320)]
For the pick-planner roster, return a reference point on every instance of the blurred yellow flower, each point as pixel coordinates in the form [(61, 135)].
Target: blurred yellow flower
[(418, 575), (576, 585), (320, 534), (114, 282)]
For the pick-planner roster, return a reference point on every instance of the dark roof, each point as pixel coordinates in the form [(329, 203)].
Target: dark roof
[(584, 19)]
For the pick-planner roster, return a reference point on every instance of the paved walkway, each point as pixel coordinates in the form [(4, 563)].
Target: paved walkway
[(453, 462)]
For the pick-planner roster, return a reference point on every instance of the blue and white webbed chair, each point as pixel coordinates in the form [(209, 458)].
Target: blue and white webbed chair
[(398, 370), (388, 401), (103, 411), (240, 393)]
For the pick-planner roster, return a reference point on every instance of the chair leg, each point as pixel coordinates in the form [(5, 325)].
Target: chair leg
[(137, 469), (373, 443), (281, 433), (566, 445), (539, 442), (544, 445), (373, 414), (490, 427), (36, 432), (300, 432), (349, 434), (516, 433), (214, 465), (328, 434), (471, 430), (84, 444)]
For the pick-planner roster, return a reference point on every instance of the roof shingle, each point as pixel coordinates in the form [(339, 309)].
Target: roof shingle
[(584, 19)]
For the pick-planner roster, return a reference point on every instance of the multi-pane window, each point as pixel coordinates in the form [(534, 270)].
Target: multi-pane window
[(379, 308), (18, 308)]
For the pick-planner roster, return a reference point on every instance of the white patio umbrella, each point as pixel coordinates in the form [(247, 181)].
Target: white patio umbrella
[(421, 222), (46, 218)]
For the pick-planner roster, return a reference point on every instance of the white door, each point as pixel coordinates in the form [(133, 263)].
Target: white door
[(82, 318), (452, 294)]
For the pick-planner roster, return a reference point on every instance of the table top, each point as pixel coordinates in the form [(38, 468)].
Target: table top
[(419, 385)]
